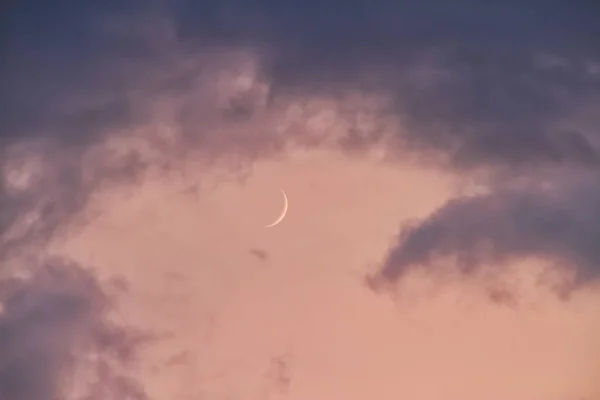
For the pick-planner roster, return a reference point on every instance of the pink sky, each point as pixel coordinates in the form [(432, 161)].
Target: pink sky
[(227, 314)]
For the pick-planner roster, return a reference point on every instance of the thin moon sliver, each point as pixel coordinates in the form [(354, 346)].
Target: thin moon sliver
[(283, 212)]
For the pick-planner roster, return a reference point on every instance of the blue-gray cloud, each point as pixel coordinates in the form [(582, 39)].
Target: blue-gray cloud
[(50, 324), (560, 223)]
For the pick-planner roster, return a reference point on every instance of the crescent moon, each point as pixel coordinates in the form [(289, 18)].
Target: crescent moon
[(283, 212)]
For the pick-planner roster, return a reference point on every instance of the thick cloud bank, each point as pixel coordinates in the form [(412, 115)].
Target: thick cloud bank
[(489, 83)]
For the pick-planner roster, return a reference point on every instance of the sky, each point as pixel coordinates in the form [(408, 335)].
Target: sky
[(442, 165)]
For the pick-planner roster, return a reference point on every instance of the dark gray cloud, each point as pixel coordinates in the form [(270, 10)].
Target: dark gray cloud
[(54, 321)]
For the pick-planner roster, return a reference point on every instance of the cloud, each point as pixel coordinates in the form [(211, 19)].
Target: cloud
[(495, 84), (64, 99), (262, 255), (52, 322), (556, 222)]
